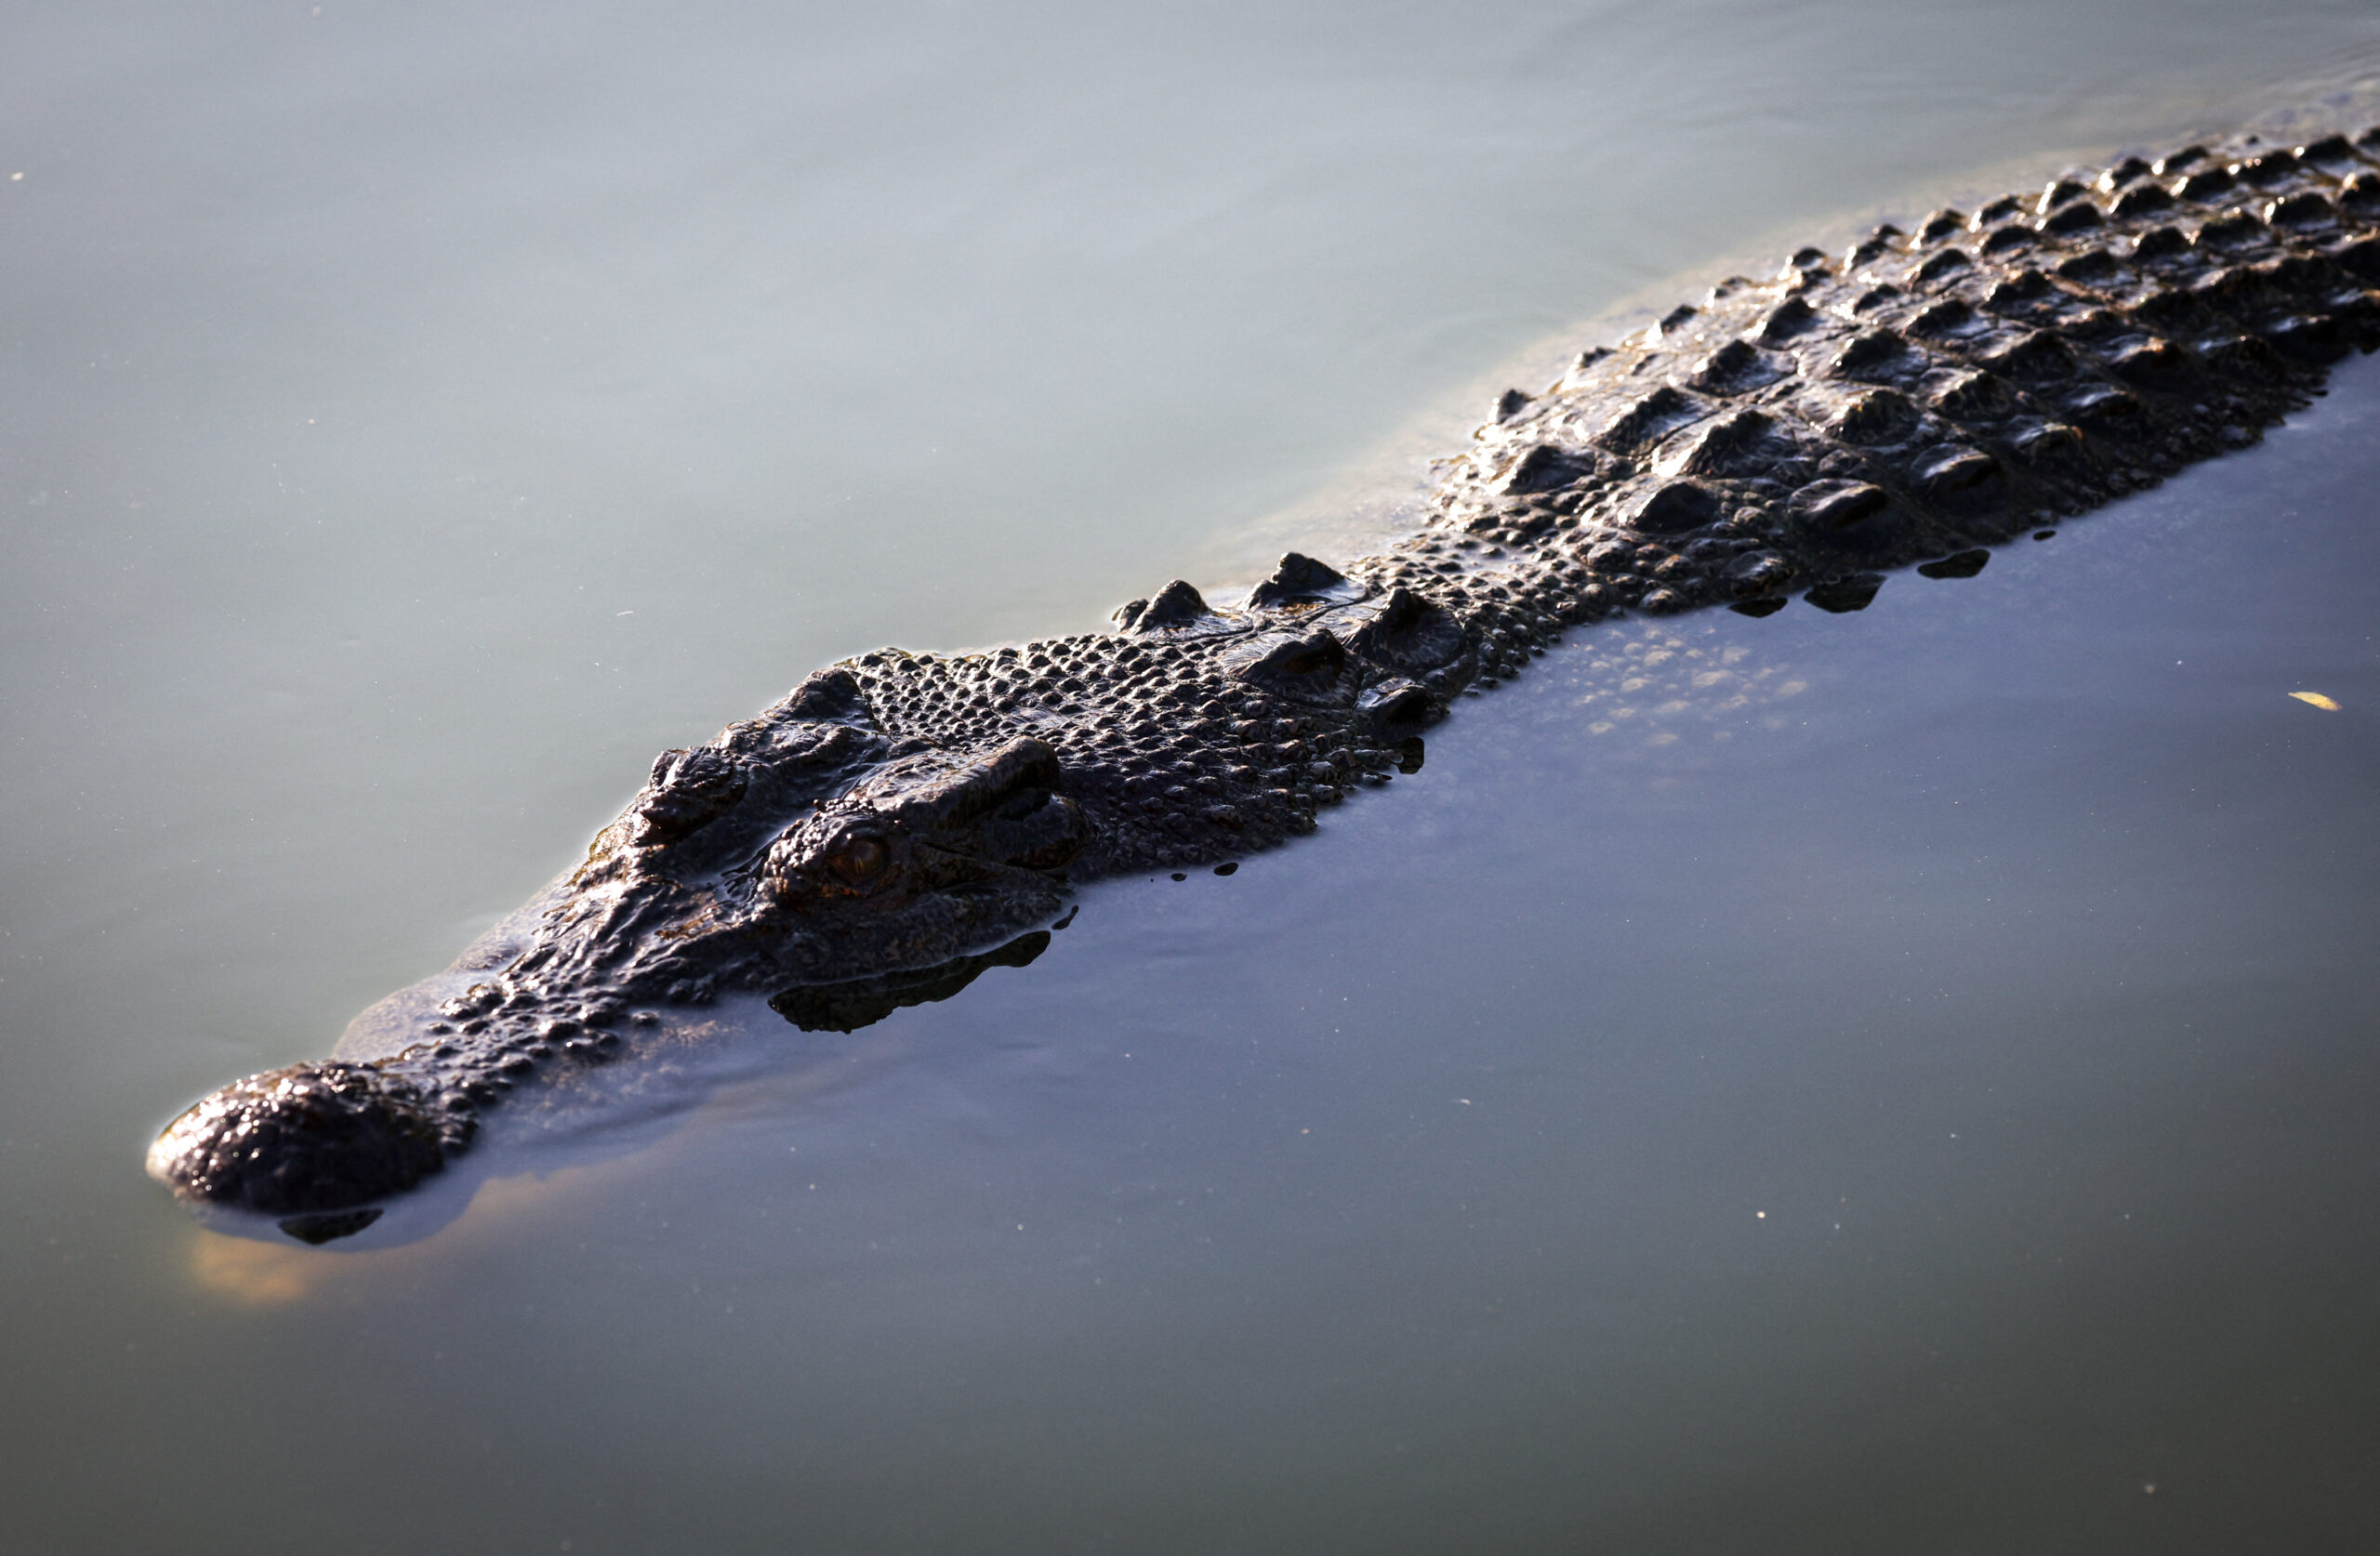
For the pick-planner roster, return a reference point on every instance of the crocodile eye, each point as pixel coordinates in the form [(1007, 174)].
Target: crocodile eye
[(856, 860)]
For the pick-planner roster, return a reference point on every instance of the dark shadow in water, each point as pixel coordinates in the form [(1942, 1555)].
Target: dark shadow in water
[(861, 1002), (1967, 564), (329, 1225), (1855, 593)]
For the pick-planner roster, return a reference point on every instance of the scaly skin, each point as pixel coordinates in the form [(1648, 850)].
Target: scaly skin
[(858, 846)]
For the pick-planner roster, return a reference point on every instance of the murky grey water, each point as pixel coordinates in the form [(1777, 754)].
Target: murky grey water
[(1900, 1082)]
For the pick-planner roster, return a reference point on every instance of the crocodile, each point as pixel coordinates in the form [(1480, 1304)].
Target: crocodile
[(901, 820)]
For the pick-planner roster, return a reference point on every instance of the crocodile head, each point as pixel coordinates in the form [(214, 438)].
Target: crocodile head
[(809, 859)]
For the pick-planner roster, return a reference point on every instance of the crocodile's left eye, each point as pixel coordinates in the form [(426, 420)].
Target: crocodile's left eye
[(857, 860)]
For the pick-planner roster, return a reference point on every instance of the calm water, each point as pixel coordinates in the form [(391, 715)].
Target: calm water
[(1890, 1083)]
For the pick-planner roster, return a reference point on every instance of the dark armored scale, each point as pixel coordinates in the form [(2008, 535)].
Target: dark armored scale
[(901, 820)]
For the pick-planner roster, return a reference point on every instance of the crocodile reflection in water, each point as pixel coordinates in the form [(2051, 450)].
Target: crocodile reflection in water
[(1916, 400), (860, 1002)]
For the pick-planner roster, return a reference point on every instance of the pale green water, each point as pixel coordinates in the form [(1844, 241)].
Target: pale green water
[(1921, 1125)]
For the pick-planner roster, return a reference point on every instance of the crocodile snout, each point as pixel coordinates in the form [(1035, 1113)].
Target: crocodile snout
[(308, 1138)]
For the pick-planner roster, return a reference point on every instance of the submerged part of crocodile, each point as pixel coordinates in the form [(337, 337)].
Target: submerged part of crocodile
[(1916, 400)]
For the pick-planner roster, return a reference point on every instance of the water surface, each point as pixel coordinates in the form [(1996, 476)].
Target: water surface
[(1923, 1105)]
